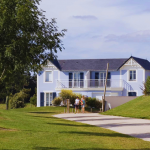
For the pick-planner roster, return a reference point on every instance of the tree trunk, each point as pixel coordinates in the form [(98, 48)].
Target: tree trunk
[(7, 102), (2, 74)]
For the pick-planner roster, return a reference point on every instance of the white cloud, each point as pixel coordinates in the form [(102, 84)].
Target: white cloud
[(124, 23), (88, 17), (140, 36)]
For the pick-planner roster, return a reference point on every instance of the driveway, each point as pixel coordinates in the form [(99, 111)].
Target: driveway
[(139, 128)]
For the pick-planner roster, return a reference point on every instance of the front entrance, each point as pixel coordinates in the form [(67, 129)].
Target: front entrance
[(49, 98)]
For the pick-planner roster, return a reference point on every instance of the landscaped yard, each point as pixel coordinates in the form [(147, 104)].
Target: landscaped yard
[(137, 108), (35, 128)]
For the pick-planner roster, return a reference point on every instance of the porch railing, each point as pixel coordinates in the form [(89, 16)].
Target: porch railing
[(89, 83)]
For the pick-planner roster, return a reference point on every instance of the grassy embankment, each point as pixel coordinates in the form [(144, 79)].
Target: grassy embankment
[(36, 129), (137, 108)]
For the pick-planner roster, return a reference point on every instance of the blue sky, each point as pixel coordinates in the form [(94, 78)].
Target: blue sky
[(102, 28)]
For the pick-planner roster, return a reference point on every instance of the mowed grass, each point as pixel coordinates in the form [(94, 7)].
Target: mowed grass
[(137, 108), (36, 129)]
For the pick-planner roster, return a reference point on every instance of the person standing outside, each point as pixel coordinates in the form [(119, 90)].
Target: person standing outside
[(83, 103), (77, 105)]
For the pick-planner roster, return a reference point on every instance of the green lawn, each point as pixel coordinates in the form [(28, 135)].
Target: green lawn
[(137, 108), (36, 129)]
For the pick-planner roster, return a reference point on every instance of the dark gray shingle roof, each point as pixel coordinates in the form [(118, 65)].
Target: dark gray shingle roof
[(96, 64), (143, 62), (90, 64)]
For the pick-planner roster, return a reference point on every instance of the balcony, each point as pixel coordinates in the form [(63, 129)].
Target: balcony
[(90, 84)]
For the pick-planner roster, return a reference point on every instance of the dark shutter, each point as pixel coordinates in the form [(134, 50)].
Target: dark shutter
[(54, 95), (109, 80), (42, 99), (70, 79), (96, 79), (96, 75), (109, 75), (81, 79)]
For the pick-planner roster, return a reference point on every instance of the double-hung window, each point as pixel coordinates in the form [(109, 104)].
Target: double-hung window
[(48, 76), (132, 75)]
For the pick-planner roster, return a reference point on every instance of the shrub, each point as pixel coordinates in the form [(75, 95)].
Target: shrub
[(146, 87), (57, 101), (93, 102), (33, 100), (68, 94), (18, 100)]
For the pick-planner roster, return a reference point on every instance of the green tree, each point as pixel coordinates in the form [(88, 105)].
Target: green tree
[(27, 39)]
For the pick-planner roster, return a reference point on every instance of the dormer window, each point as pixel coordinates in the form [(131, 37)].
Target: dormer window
[(48, 76), (132, 75)]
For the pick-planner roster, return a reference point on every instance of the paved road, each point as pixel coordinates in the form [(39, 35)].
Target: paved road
[(139, 128)]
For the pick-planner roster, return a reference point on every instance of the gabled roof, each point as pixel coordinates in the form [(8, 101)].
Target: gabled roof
[(143, 62), (96, 64), (89, 64)]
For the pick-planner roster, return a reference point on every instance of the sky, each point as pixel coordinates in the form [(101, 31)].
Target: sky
[(99, 29)]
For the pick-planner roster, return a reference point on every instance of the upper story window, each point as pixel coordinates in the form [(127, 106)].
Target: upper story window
[(48, 76), (132, 75)]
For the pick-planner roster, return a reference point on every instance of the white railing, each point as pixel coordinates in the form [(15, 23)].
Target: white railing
[(90, 83)]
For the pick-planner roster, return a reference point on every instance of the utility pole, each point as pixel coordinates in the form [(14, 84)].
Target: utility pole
[(103, 102)]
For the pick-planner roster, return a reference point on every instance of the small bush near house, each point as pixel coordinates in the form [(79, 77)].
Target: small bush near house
[(146, 87), (18, 100), (93, 102), (68, 94), (57, 101), (33, 100)]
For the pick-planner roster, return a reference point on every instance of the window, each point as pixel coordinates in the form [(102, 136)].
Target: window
[(132, 75), (48, 76), (49, 98), (131, 93)]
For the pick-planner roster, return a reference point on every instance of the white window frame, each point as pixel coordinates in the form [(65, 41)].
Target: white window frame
[(45, 92), (129, 75), (45, 76)]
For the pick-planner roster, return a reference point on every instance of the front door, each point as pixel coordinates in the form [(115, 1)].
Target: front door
[(49, 98)]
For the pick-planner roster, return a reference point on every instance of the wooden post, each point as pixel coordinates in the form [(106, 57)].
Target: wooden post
[(68, 106), (7, 102), (103, 100)]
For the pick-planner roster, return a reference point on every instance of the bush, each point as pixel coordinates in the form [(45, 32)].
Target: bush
[(18, 100), (33, 100), (68, 94), (57, 101), (93, 102), (146, 87)]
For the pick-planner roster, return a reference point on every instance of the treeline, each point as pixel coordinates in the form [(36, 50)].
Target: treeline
[(27, 83)]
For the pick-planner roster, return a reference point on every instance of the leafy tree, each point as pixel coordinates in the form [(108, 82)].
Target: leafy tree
[(27, 40)]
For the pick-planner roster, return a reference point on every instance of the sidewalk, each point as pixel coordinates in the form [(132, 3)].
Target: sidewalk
[(139, 128)]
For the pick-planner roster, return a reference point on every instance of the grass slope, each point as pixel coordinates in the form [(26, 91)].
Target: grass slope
[(137, 108), (36, 129)]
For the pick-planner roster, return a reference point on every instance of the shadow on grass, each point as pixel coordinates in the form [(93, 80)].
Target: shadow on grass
[(72, 125), (98, 134), (41, 112), (50, 148), (45, 148)]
